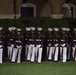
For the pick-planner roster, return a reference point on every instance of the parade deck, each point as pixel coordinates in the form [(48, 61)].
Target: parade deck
[(44, 68)]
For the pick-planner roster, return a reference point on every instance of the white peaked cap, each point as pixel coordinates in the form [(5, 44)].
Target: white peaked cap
[(1, 28), (67, 29), (27, 29), (74, 29), (33, 28), (39, 28), (11, 28), (50, 29), (63, 28), (18, 29), (56, 29)]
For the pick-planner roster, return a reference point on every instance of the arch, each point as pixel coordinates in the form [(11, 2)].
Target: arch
[(69, 5)]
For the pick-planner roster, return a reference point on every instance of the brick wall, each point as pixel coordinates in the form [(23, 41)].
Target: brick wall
[(6, 6)]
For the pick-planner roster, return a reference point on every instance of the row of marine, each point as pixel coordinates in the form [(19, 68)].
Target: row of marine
[(59, 44)]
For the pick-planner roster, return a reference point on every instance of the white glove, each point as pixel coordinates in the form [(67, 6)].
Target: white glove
[(63, 45), (56, 45), (0, 46), (12, 45), (49, 44)]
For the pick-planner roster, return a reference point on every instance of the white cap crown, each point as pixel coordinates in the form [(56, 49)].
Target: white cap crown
[(27, 29), (33, 28), (74, 29), (67, 29), (39, 28), (63, 28), (1, 28), (50, 29), (18, 29), (56, 29), (11, 28)]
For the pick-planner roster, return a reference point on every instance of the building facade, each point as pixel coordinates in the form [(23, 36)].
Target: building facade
[(37, 8)]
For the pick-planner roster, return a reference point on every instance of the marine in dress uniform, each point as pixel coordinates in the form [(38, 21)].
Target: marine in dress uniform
[(31, 48), (74, 44), (16, 56), (50, 45), (63, 45), (69, 39), (39, 44), (1, 45), (10, 41), (56, 41), (27, 43)]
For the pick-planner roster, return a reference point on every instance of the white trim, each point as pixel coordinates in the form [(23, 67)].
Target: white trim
[(28, 5), (7, 16)]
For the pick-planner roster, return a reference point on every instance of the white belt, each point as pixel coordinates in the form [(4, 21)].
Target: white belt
[(55, 40), (62, 40), (18, 41), (49, 40), (31, 40), (38, 40)]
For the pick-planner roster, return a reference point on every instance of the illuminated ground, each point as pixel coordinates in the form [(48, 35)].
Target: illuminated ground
[(45, 68)]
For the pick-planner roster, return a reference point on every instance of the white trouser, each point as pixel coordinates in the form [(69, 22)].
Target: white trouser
[(63, 53), (26, 50), (36, 53), (39, 54), (1, 54), (10, 51), (29, 52), (14, 55), (51, 53), (47, 51), (19, 54), (73, 53), (56, 53), (9, 48), (33, 54), (69, 52)]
